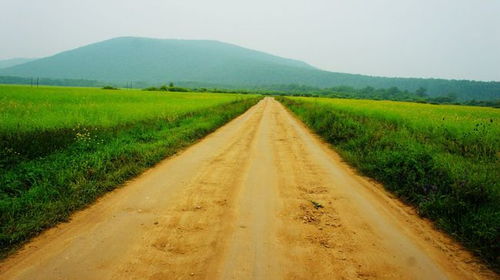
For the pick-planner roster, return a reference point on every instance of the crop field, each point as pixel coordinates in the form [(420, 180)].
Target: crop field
[(63, 107), (60, 148), (443, 159)]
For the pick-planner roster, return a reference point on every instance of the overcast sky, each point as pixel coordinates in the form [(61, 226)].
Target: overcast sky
[(408, 38)]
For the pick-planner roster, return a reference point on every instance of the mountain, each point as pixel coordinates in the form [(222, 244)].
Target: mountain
[(14, 61), (154, 60), (157, 61)]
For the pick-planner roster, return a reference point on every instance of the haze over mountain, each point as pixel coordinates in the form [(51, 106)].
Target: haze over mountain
[(159, 61), (14, 61)]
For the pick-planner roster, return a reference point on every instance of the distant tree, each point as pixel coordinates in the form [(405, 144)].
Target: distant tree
[(421, 92), (449, 98), (367, 90), (178, 89), (392, 92), (171, 84)]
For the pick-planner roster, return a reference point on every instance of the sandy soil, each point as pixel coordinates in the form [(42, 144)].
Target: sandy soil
[(239, 205)]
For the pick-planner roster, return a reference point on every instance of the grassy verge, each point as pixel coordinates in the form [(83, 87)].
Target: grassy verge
[(63, 169), (450, 171)]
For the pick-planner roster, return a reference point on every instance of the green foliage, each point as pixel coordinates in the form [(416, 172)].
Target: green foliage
[(152, 89), (177, 89), (170, 88), (110, 87), (442, 159), (421, 92), (216, 64), (393, 93), (61, 148)]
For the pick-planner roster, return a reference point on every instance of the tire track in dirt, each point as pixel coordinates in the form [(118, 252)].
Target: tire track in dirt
[(324, 231), (250, 252), (261, 198), (360, 232), (187, 235)]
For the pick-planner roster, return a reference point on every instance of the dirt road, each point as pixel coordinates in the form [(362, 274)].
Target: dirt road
[(261, 198)]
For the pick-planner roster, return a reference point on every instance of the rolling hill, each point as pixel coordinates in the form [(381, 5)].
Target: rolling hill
[(157, 61)]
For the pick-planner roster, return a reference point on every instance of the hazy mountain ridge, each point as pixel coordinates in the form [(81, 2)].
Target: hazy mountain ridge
[(212, 62), (5, 63)]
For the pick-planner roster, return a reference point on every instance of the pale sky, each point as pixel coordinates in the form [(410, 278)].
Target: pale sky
[(456, 39)]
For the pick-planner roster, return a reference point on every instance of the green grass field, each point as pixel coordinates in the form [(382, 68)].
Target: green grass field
[(443, 159), (63, 107), (60, 148)]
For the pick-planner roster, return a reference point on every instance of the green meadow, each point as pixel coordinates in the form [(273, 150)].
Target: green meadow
[(23, 108), (61, 148), (443, 159)]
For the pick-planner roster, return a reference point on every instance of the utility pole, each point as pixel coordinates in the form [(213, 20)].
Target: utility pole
[(31, 82), (37, 80)]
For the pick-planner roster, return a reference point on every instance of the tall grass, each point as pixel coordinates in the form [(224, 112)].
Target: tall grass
[(442, 159), (56, 159)]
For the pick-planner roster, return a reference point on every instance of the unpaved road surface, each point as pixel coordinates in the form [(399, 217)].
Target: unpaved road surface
[(239, 205)]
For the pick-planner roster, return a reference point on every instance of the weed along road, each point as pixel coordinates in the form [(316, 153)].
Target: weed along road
[(260, 198)]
